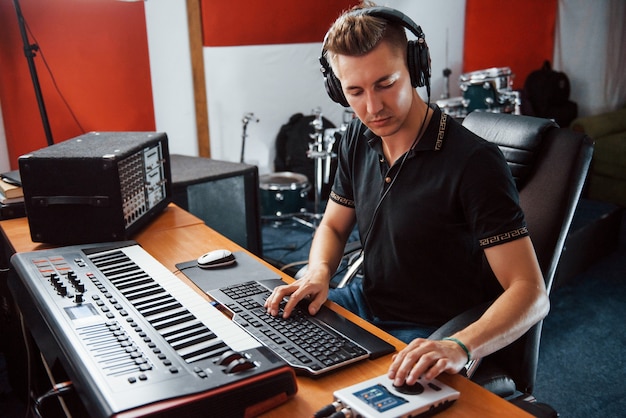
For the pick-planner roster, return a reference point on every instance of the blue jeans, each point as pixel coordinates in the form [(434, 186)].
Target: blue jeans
[(352, 298)]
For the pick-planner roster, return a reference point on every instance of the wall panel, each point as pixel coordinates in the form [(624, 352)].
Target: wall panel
[(97, 52), (519, 35)]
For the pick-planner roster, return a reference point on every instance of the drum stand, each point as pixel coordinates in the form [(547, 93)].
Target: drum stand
[(513, 97), (446, 86), (320, 150)]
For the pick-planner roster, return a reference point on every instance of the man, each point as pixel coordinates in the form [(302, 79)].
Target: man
[(432, 202)]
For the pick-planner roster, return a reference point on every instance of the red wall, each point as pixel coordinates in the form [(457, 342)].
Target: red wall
[(98, 54), (97, 51), (518, 35), (245, 22)]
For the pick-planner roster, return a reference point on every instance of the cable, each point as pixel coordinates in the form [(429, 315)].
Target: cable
[(28, 353), (53, 79), (57, 390), (328, 410), (344, 413), (293, 264), (404, 157)]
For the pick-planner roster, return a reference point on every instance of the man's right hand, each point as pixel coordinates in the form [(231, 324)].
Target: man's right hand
[(313, 286)]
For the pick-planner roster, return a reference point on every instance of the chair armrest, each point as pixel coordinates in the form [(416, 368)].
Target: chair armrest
[(488, 375), (459, 322)]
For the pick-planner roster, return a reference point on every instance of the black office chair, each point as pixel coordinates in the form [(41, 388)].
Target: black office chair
[(549, 165)]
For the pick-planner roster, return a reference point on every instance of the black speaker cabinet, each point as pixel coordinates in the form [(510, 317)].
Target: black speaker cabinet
[(225, 195), (97, 187)]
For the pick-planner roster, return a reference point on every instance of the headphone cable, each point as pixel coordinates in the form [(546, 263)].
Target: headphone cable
[(404, 157)]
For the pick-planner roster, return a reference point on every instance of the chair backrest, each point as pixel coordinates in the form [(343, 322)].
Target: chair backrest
[(550, 165)]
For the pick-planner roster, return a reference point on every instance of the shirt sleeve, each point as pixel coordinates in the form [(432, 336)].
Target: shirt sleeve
[(490, 198), (342, 191)]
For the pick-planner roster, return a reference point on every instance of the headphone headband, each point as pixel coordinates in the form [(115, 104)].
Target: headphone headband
[(418, 56), (392, 15)]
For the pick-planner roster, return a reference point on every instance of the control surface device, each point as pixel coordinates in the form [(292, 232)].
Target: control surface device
[(379, 398)]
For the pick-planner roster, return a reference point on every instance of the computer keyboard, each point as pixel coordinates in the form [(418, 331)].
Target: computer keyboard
[(312, 345)]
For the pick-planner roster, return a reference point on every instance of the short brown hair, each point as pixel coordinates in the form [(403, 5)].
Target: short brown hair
[(356, 33)]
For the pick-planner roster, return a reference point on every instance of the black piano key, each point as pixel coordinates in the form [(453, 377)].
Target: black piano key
[(193, 340), (180, 333), (171, 321), (207, 352), (160, 308)]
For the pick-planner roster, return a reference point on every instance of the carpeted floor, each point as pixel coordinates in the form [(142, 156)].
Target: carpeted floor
[(582, 360)]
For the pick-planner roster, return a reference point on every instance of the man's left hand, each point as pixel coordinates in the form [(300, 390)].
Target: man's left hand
[(427, 359)]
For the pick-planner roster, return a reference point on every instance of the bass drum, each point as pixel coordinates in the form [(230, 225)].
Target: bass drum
[(283, 194)]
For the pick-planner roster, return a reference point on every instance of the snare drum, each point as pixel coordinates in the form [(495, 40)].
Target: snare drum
[(283, 193)]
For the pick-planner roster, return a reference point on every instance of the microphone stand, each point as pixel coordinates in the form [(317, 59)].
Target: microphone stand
[(29, 51), (246, 118)]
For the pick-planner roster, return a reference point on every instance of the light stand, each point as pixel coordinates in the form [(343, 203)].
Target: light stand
[(29, 51)]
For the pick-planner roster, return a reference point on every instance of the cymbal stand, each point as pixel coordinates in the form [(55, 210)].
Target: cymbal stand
[(320, 150), (446, 85)]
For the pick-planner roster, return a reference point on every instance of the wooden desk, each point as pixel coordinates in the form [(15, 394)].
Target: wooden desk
[(177, 236)]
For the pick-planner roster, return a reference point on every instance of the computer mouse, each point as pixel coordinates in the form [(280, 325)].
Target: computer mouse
[(216, 258)]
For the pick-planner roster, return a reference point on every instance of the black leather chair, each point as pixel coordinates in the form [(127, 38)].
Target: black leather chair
[(549, 165)]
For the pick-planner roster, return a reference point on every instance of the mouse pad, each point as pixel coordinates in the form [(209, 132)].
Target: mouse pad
[(245, 269)]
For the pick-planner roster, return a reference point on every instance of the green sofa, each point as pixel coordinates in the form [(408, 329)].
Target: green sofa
[(607, 176)]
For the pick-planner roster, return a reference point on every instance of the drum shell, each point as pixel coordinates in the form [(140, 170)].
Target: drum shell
[(283, 193), (482, 89), (479, 96)]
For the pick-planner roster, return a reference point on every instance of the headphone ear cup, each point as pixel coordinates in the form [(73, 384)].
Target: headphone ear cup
[(334, 90), (424, 57), (413, 63), (418, 59)]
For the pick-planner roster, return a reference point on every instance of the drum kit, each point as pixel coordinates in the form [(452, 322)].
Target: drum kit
[(488, 90), (284, 194)]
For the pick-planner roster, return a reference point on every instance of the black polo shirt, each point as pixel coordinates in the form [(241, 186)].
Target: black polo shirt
[(453, 196)]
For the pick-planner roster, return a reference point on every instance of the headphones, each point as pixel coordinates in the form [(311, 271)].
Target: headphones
[(418, 56)]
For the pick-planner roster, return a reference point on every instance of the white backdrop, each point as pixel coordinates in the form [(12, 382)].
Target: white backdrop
[(276, 81), (589, 47)]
